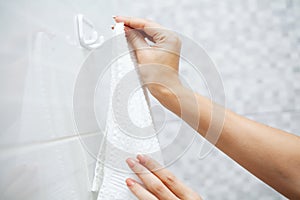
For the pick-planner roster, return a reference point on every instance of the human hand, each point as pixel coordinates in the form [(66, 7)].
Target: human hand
[(158, 63), (158, 182)]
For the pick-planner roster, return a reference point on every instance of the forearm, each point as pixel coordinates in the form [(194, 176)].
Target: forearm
[(191, 107), (270, 154)]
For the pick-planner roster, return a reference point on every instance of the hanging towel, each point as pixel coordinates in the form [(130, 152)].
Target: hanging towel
[(111, 169)]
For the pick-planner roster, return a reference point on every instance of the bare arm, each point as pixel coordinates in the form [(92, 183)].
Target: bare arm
[(270, 154)]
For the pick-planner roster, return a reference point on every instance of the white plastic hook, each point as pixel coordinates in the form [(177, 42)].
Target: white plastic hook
[(87, 39)]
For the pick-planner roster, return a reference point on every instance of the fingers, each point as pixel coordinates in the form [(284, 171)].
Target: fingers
[(139, 44), (137, 23), (175, 185), (152, 183), (140, 192), (153, 30), (136, 39), (162, 37)]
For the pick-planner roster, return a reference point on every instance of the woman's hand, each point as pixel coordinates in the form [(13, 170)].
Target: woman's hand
[(158, 63), (158, 182), (158, 67), (270, 154)]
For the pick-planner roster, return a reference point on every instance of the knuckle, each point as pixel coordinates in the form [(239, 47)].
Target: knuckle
[(156, 188), (171, 179)]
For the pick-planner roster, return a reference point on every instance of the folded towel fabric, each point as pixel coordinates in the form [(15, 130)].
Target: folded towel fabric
[(111, 169)]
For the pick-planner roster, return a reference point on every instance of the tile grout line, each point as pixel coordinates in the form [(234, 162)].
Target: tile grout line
[(7, 151)]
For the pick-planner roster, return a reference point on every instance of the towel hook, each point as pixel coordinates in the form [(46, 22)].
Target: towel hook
[(87, 40)]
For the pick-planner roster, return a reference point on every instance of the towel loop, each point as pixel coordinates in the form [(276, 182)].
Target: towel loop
[(87, 35)]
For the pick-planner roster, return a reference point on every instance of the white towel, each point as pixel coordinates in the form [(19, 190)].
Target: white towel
[(110, 175)]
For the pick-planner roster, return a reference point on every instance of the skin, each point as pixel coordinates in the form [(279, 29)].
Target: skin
[(270, 154)]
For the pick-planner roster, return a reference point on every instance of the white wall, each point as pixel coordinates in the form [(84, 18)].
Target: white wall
[(41, 154)]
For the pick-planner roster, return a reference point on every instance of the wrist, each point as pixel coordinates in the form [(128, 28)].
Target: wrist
[(163, 93)]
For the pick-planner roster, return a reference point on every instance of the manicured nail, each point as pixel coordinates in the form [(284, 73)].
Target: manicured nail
[(114, 16), (112, 27), (142, 158), (131, 162), (130, 182)]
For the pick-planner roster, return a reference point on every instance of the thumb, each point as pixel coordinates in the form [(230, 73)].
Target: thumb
[(137, 41), (135, 38)]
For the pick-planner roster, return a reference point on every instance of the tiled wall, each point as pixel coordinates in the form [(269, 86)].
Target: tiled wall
[(256, 47)]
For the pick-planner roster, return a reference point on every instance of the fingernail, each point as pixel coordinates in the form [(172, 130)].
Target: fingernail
[(130, 182), (142, 158), (121, 18), (114, 16), (131, 162), (112, 27)]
